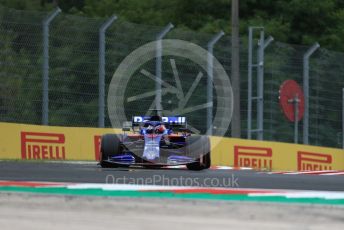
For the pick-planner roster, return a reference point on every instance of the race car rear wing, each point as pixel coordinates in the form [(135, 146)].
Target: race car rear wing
[(174, 121)]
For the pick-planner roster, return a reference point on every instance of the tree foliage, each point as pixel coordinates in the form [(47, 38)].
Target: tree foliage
[(292, 21)]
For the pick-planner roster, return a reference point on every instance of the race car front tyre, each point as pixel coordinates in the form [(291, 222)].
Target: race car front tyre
[(110, 145), (199, 145)]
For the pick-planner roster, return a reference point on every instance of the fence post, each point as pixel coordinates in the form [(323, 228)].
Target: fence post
[(158, 66), (235, 70), (249, 77), (263, 43), (101, 79), (260, 87), (296, 117), (45, 66), (306, 57), (295, 101), (210, 73)]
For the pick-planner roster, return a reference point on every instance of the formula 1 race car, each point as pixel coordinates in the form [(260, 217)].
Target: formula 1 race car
[(155, 142)]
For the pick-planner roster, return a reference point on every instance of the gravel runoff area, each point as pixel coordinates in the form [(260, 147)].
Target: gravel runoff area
[(30, 211)]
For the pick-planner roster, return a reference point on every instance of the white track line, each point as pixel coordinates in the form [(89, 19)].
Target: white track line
[(332, 174), (320, 173), (311, 172)]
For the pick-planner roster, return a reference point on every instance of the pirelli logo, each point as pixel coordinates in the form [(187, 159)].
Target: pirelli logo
[(253, 157), (43, 146), (307, 161)]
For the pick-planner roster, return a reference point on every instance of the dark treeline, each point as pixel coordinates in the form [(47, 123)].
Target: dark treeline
[(291, 21)]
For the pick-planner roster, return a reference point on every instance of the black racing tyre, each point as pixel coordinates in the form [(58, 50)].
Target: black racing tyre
[(200, 146), (110, 145)]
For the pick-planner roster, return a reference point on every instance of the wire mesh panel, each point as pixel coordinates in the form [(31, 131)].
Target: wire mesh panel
[(191, 101), (73, 91), (122, 39), (326, 84), (20, 65), (282, 62), (184, 82)]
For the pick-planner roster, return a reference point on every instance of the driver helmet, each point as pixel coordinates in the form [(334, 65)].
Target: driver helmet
[(150, 129)]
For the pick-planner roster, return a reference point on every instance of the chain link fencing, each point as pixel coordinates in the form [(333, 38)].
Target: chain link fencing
[(74, 76), (326, 81)]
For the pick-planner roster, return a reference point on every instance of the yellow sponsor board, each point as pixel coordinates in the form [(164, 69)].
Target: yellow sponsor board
[(34, 142), (275, 155), (26, 142)]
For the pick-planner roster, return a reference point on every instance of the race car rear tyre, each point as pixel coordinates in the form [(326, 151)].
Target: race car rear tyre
[(110, 145), (199, 145)]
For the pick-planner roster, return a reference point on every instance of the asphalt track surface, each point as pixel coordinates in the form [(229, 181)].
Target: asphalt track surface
[(93, 173)]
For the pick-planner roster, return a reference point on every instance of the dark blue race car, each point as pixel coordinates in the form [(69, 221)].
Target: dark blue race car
[(153, 142)]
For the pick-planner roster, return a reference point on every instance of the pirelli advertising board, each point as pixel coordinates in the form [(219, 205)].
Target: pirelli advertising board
[(33, 142), (276, 156)]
